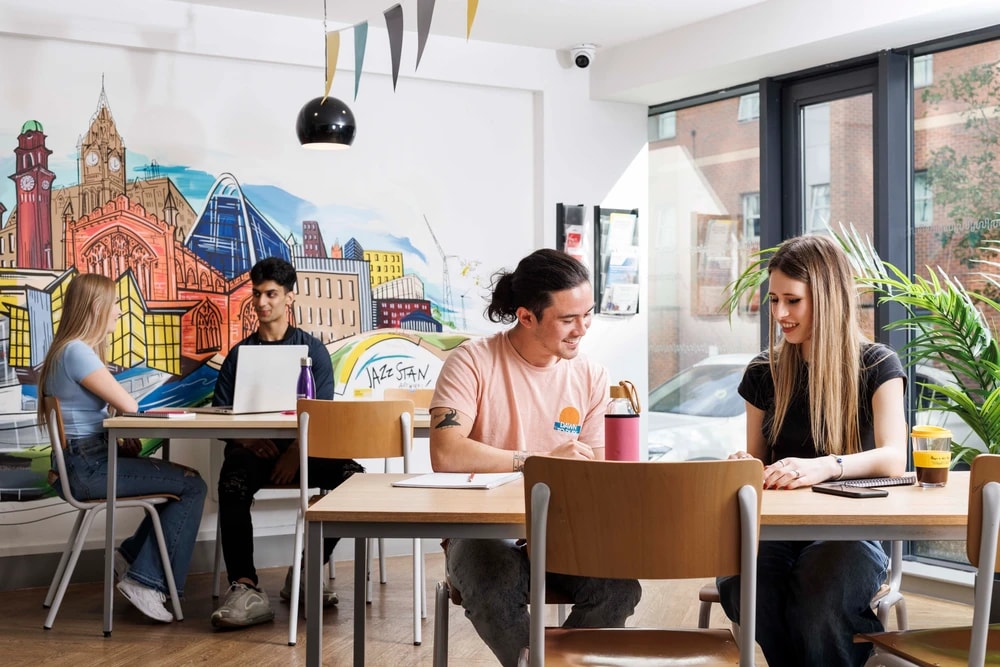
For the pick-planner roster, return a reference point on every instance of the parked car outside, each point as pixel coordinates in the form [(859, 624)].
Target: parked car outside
[(698, 414)]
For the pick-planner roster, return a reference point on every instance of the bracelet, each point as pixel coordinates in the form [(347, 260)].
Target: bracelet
[(840, 462), (519, 458)]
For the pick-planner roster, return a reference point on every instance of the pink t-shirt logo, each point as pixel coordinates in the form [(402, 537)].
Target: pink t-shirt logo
[(569, 421)]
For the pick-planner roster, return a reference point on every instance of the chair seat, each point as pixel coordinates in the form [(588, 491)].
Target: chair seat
[(941, 647), (635, 647), (121, 499), (882, 591)]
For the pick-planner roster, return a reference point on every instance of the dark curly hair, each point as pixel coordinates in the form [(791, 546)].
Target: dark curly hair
[(276, 269), (532, 283)]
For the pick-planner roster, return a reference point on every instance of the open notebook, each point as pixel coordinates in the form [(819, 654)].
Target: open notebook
[(459, 480)]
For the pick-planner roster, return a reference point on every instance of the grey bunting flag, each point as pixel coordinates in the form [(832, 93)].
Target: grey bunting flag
[(425, 12), (394, 24)]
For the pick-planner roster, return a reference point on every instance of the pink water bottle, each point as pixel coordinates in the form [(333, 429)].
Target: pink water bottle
[(621, 424)]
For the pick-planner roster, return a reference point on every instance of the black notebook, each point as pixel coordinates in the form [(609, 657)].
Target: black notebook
[(908, 478)]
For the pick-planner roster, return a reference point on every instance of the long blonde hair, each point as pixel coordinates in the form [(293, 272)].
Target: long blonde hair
[(835, 352), (86, 315)]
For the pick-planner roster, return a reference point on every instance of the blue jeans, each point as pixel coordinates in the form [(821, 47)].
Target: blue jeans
[(812, 598), (87, 468), (493, 577)]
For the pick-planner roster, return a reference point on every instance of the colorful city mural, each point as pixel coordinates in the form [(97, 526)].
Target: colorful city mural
[(181, 264)]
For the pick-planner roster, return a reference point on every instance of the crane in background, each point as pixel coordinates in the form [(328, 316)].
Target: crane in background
[(446, 306)]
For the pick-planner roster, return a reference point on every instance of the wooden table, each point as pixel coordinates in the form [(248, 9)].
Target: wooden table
[(368, 506), (203, 426)]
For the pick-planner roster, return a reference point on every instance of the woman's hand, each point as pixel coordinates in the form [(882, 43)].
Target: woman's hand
[(793, 473), (129, 447)]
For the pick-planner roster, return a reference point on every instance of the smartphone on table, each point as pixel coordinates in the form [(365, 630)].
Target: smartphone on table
[(849, 491)]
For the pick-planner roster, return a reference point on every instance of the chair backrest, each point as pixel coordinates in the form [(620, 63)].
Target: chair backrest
[(985, 469), (421, 397), (57, 440), (355, 429), (643, 520), (352, 430), (981, 545)]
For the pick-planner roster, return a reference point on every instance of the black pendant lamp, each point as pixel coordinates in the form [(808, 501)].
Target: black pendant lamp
[(325, 123)]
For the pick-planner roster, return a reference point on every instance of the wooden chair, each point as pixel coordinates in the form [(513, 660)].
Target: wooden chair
[(951, 647), (352, 430), (88, 511), (421, 401), (644, 521), (887, 598)]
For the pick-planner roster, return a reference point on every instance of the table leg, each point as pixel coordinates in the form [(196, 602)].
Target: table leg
[(360, 580), (314, 601), (109, 537)]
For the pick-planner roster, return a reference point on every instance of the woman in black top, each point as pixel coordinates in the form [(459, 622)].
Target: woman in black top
[(823, 404)]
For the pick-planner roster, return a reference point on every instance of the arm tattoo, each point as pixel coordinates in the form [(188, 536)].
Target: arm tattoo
[(448, 419), (519, 459)]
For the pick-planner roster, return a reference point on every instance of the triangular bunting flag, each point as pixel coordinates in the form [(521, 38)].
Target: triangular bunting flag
[(360, 42), (394, 24), (332, 51), (425, 12), (473, 6)]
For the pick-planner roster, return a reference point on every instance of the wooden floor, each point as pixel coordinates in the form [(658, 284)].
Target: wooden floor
[(76, 639)]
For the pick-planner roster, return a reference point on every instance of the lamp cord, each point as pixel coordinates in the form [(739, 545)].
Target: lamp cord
[(326, 48)]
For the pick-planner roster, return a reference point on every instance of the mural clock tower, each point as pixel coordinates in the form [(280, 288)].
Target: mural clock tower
[(33, 182), (102, 159)]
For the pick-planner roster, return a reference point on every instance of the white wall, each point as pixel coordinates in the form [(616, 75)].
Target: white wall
[(519, 134)]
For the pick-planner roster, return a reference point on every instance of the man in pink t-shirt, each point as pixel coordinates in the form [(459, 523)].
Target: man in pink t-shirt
[(521, 393)]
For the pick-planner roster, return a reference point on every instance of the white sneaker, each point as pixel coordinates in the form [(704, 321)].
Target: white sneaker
[(121, 565), (145, 599), (244, 605)]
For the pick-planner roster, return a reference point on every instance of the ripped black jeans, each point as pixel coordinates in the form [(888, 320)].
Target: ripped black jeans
[(243, 474)]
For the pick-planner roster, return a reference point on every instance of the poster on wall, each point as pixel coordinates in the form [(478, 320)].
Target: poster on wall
[(134, 165), (618, 261)]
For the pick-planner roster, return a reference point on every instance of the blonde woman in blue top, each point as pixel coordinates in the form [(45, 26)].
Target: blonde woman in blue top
[(75, 371)]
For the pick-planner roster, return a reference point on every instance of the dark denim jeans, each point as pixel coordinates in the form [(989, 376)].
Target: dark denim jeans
[(493, 577), (87, 468), (812, 598), (243, 474)]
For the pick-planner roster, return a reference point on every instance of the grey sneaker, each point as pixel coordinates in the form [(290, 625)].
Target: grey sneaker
[(121, 565), (329, 595), (145, 599), (244, 605)]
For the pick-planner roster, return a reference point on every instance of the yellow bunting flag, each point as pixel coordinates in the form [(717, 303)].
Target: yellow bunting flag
[(332, 51), (473, 6)]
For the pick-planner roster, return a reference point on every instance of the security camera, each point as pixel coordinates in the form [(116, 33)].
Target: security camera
[(583, 55)]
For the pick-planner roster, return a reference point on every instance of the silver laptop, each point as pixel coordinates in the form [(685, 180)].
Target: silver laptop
[(266, 380)]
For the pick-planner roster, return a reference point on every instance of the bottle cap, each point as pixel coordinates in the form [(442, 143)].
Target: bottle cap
[(626, 389), (306, 361)]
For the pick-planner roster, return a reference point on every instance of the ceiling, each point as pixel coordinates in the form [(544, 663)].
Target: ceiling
[(547, 24)]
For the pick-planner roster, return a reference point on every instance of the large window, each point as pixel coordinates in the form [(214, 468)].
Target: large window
[(842, 150), (956, 187), (704, 226)]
